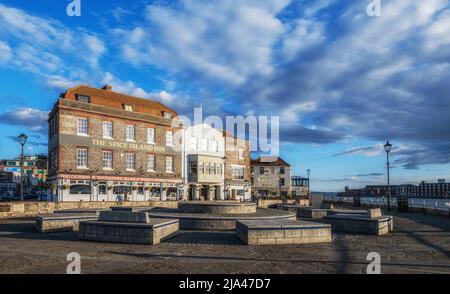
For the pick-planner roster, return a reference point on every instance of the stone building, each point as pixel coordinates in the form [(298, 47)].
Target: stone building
[(299, 187), (204, 167), (105, 146), (237, 168), (271, 176)]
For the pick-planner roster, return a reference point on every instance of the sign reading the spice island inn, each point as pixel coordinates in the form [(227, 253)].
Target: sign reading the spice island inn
[(113, 144), (127, 145)]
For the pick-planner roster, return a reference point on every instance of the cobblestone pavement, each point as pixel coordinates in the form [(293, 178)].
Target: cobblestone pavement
[(420, 244)]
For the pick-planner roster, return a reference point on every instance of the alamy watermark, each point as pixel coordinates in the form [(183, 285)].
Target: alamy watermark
[(374, 8), (263, 132), (74, 8), (374, 266), (74, 267)]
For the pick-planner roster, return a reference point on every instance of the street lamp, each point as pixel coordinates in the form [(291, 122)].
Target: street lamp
[(388, 148), (22, 138), (308, 171), (224, 160)]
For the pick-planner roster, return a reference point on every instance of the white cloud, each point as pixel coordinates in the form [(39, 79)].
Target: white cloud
[(5, 52)]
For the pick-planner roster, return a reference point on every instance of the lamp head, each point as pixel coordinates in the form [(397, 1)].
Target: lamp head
[(22, 138), (387, 147)]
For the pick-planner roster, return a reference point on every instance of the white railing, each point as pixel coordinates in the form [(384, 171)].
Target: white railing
[(439, 204)]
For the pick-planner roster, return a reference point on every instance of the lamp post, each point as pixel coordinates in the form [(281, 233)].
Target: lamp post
[(22, 138), (388, 148), (224, 160), (308, 171)]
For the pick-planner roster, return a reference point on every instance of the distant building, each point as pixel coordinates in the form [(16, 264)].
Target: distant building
[(424, 189), (271, 176)]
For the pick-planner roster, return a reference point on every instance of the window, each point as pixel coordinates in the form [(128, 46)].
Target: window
[(282, 182), (80, 189), (130, 160), (169, 138), (201, 168), (207, 168), (238, 173), (213, 146), (107, 159), (261, 170), (151, 163), (82, 158), (167, 115), (169, 164), (219, 169), (83, 98), (82, 126), (107, 130), (193, 167), (193, 143), (241, 153), (204, 146), (282, 171), (150, 135), (128, 107), (130, 133)]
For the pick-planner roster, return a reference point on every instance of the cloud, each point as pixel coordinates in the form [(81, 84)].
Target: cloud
[(369, 151), (34, 120), (5, 53)]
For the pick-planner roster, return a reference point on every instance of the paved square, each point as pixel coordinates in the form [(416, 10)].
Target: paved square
[(419, 244)]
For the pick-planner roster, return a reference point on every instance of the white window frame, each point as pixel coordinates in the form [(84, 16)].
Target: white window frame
[(204, 145), (109, 160), (169, 138), (127, 161), (80, 127), (106, 134), (169, 170), (85, 160), (127, 128), (150, 135), (213, 144), (152, 167), (241, 153), (193, 143)]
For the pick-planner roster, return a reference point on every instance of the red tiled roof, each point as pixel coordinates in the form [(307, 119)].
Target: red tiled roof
[(269, 161), (107, 97)]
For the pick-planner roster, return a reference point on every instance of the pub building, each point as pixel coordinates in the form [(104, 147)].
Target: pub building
[(108, 146)]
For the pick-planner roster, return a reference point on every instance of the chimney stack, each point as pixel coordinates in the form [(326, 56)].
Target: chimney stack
[(107, 87)]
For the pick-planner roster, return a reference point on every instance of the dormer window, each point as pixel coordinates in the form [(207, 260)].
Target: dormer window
[(128, 107), (167, 115), (83, 98)]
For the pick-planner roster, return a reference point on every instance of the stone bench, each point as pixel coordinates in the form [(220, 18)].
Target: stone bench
[(347, 211), (310, 212), (151, 233), (270, 232), (58, 222), (361, 224)]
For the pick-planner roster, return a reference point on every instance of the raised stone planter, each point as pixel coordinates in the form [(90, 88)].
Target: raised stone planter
[(271, 232), (217, 222), (310, 212), (360, 224), (128, 227), (58, 222), (130, 208), (79, 210), (216, 207), (151, 233)]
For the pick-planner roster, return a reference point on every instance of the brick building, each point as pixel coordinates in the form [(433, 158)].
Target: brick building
[(104, 146), (237, 169), (271, 176)]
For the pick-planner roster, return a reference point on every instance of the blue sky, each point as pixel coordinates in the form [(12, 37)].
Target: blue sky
[(342, 82)]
